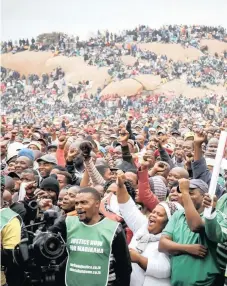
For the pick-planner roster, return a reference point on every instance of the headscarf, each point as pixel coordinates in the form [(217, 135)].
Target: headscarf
[(143, 237)]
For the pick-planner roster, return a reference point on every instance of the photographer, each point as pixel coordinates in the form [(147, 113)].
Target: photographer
[(40, 253)]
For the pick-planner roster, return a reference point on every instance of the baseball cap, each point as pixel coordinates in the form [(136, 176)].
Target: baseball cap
[(13, 175), (43, 140), (52, 146), (196, 184), (138, 125), (36, 136), (113, 136), (113, 169), (26, 141), (159, 126), (188, 135), (11, 158), (48, 159), (35, 143), (175, 132), (162, 131)]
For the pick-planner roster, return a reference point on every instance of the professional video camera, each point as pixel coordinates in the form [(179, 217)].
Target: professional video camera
[(40, 254)]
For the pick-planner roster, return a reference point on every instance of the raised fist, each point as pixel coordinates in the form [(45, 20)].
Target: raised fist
[(86, 148)]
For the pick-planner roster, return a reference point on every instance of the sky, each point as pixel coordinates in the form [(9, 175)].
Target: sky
[(29, 18)]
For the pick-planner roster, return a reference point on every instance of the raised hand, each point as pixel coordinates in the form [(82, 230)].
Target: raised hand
[(200, 137), (124, 136), (120, 178), (30, 188), (45, 204), (62, 141), (146, 164), (159, 167), (40, 194), (189, 157), (72, 153), (208, 202), (86, 148), (184, 185)]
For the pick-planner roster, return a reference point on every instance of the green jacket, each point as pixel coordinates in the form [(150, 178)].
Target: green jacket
[(216, 225), (216, 230)]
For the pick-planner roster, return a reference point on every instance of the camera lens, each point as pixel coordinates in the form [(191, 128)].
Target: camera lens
[(33, 205), (52, 246)]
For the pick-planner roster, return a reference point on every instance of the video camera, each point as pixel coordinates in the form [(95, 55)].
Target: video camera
[(40, 254)]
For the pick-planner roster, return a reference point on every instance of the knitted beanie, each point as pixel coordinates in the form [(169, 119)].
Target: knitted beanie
[(51, 183), (158, 188)]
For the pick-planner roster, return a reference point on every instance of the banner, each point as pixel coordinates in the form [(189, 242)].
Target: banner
[(219, 161)]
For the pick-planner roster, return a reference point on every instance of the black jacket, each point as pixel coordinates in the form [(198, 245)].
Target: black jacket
[(72, 170)]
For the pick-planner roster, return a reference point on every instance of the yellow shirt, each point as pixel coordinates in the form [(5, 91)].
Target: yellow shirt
[(10, 237)]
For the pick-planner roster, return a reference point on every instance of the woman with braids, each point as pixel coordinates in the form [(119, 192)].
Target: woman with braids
[(109, 205)]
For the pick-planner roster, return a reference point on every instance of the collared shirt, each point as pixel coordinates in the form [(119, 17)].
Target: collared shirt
[(187, 270)]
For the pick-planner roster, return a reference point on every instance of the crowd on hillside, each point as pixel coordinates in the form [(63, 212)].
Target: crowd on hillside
[(107, 50), (34, 96), (182, 34)]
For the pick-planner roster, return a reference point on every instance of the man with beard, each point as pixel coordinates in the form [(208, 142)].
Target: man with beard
[(94, 241)]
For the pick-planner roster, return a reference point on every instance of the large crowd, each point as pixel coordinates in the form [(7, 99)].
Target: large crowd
[(107, 49), (110, 190)]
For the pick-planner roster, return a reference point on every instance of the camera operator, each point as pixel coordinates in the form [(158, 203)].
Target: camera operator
[(10, 236), (41, 254), (24, 199), (106, 246), (47, 196), (36, 200)]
